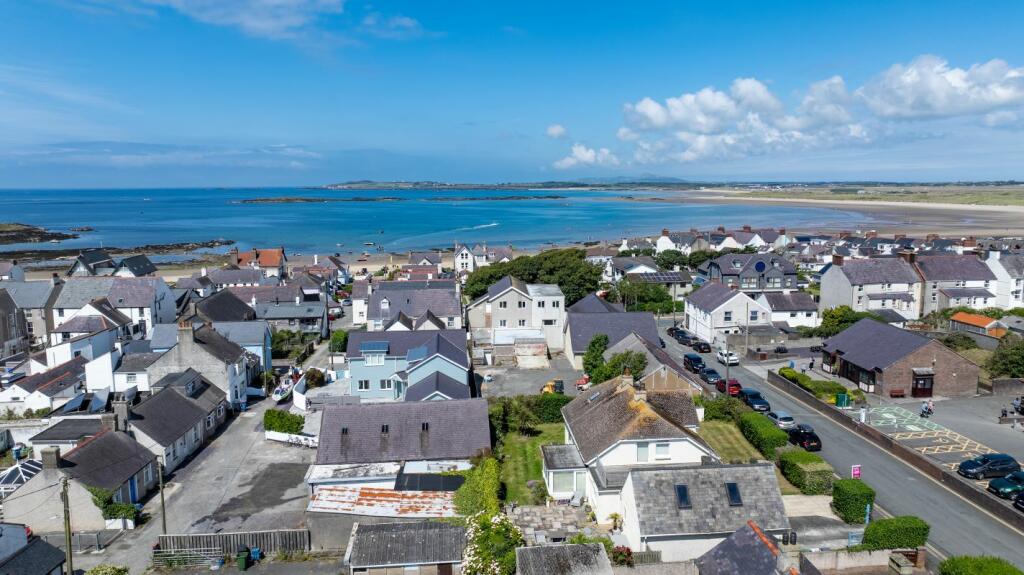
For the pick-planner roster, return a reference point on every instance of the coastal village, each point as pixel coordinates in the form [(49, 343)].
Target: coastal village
[(687, 402)]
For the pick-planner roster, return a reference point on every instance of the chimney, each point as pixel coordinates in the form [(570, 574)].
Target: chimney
[(55, 279), (51, 458), (664, 232), (908, 256), (746, 227), (298, 300), (202, 271), (694, 231), (782, 231), (970, 242), (253, 300), (316, 259), (720, 229), (122, 411), (931, 237), (837, 259), (871, 234), (108, 422), (994, 254), (845, 234)]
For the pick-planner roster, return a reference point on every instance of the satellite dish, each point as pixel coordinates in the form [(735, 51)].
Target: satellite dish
[(759, 266)]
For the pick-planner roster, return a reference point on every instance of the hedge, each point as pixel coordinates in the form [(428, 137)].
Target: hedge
[(807, 471), (762, 433), (723, 409), (283, 421), (980, 565), (822, 389), (479, 493), (904, 532), (547, 406), (850, 498)]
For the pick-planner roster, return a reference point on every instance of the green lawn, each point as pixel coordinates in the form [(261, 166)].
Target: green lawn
[(726, 439), (522, 459)]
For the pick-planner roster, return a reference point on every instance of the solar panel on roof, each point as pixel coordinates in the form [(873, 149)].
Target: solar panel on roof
[(371, 346), (99, 400), (130, 393), (75, 404)]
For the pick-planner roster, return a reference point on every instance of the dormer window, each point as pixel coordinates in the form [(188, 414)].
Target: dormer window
[(385, 304)]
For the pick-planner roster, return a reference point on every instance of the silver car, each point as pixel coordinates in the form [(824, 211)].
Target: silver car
[(781, 419)]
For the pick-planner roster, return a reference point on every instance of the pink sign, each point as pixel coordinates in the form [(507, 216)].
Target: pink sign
[(855, 471)]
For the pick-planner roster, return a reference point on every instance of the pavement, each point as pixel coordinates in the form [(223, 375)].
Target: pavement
[(957, 527)]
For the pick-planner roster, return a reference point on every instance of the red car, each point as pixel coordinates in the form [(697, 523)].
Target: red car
[(734, 387)]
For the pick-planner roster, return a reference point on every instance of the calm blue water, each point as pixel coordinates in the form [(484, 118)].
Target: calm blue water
[(126, 218)]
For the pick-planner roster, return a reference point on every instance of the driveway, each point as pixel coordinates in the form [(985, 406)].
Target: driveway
[(515, 381)]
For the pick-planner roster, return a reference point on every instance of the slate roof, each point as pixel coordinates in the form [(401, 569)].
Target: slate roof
[(431, 257), (450, 343), (227, 276), (166, 416), (399, 544), (893, 295), (243, 332), (879, 271), (57, 379), (437, 382), (654, 493), (195, 282), (592, 303), (457, 429), (29, 294), (950, 268), (608, 413), (163, 336), (138, 265), (711, 296), (749, 550), (291, 310), (586, 559), (743, 264), (204, 394), (217, 345), (267, 293), (505, 283), (107, 460), (1012, 262), (656, 357), (360, 288), (85, 324), (224, 306), (584, 326), (137, 362), (870, 344), (967, 292), (121, 292), (441, 299), (69, 429), (662, 277), (36, 558), (561, 456), (794, 301), (889, 315), (625, 264)]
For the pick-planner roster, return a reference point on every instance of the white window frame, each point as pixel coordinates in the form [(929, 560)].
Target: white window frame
[(363, 385), (662, 451)]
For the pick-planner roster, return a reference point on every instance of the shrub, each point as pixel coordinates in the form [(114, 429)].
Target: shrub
[(622, 555), (724, 409), (314, 378), (547, 407), (538, 491), (339, 341), (491, 542), (479, 493), (902, 532), (980, 565), (822, 389), (807, 471), (107, 569), (958, 341), (762, 434), (850, 498), (581, 539), (283, 421)]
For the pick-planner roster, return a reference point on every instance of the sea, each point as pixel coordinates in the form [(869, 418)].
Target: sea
[(126, 218)]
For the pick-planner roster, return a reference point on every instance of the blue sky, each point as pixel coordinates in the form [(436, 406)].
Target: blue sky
[(164, 93)]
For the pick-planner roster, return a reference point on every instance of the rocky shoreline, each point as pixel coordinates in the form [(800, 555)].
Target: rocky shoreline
[(321, 200), (148, 249), (15, 233)]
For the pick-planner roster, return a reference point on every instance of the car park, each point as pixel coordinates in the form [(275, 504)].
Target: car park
[(693, 362), (754, 399), (782, 420), (804, 436), (988, 465), (732, 388), (701, 346), (1007, 487), (710, 376), (727, 357)]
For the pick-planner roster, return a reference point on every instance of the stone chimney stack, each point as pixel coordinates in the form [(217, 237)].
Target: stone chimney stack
[(908, 256), (108, 422), (747, 228), (51, 458), (122, 413), (55, 279), (871, 234), (837, 259), (720, 229), (664, 232)]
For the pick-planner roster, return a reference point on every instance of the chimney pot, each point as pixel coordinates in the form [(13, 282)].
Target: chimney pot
[(746, 227), (721, 229), (51, 457)]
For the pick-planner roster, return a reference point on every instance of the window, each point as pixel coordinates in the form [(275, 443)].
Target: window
[(860, 288), (385, 384), (661, 451), (522, 323), (60, 313), (540, 303), (642, 452), (167, 455), (425, 426), (344, 431), (373, 359), (562, 481), (117, 496), (384, 429), (195, 435), (550, 322), (556, 304), (209, 421), (753, 315), (727, 316), (220, 410), (142, 310), (502, 323), (451, 321), (809, 314), (364, 385), (682, 497), (792, 314), (502, 304), (147, 474), (735, 500), (130, 378)]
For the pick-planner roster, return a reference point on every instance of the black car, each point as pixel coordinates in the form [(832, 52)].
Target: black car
[(988, 465), (754, 399), (710, 376), (661, 342), (672, 331), (804, 436), (701, 346), (693, 362), (683, 337)]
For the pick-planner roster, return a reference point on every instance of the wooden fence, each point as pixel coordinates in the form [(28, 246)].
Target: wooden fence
[(646, 557), (268, 541)]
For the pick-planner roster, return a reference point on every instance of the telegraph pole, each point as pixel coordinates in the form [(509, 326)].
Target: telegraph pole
[(163, 508), (746, 332), (67, 524)]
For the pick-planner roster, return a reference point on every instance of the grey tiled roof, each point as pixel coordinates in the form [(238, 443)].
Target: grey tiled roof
[(28, 295), (794, 301), (431, 257), (1012, 262), (748, 550), (36, 558), (437, 382), (967, 292), (943, 268), (166, 416), (138, 265), (137, 362), (592, 303), (402, 544), (564, 456), (441, 299), (457, 429), (901, 296), (879, 271), (291, 310), (121, 292), (654, 492), (163, 336), (217, 345), (267, 293), (107, 460), (203, 393), (235, 276), (625, 264), (57, 379), (584, 326), (243, 332), (711, 296), (505, 283), (586, 559), (874, 345), (449, 342), (224, 305), (733, 264), (84, 324), (69, 429)]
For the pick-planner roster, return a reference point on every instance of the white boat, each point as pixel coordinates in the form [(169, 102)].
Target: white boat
[(282, 391)]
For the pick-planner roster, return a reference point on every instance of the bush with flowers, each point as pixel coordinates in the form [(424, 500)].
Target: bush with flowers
[(491, 542)]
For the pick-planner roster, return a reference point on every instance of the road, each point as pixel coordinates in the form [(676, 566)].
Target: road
[(957, 527)]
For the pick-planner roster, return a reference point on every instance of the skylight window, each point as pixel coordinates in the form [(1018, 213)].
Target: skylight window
[(683, 497), (735, 499)]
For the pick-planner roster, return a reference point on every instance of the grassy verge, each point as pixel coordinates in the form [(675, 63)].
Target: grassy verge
[(725, 438), (522, 460)]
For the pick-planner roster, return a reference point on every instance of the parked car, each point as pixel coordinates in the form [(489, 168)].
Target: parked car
[(781, 349), (693, 362), (733, 387), (754, 399), (816, 349), (782, 420), (1008, 487), (346, 301), (684, 338), (701, 346), (727, 357), (988, 465), (672, 331), (804, 436), (710, 376), (1019, 502)]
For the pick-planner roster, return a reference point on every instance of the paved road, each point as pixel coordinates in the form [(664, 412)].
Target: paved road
[(957, 527)]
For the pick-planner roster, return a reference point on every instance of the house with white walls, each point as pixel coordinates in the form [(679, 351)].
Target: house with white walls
[(145, 301), (95, 316), (618, 267), (46, 390), (11, 271), (613, 428), (871, 284), (683, 242), (221, 362), (512, 309), (794, 309), (953, 281), (716, 311), (1008, 268)]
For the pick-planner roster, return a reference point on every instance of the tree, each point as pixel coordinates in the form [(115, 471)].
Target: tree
[(339, 341), (839, 318), (649, 252), (520, 416), (635, 361), (669, 259), (568, 269), (1008, 358), (593, 359), (642, 296), (958, 341), (314, 378), (695, 259)]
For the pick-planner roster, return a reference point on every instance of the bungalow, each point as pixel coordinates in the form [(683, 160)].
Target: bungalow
[(14, 338), (618, 267), (614, 428), (47, 390), (592, 316), (752, 272), (1008, 268), (887, 360), (10, 271), (110, 460), (220, 361), (976, 323), (416, 548), (953, 281), (272, 262), (33, 299), (23, 554), (715, 311), (687, 511), (872, 284), (146, 301), (794, 309), (686, 242), (410, 365), (657, 358), (514, 310), (65, 433), (749, 550)]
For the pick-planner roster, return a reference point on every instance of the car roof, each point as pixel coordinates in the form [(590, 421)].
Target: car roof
[(998, 456), (782, 413), (804, 427), (693, 356), (749, 390)]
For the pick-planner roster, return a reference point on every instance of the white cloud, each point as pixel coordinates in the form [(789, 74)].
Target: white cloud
[(556, 131), (274, 19), (581, 155), (396, 27), (928, 87), (1001, 118), (626, 135)]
